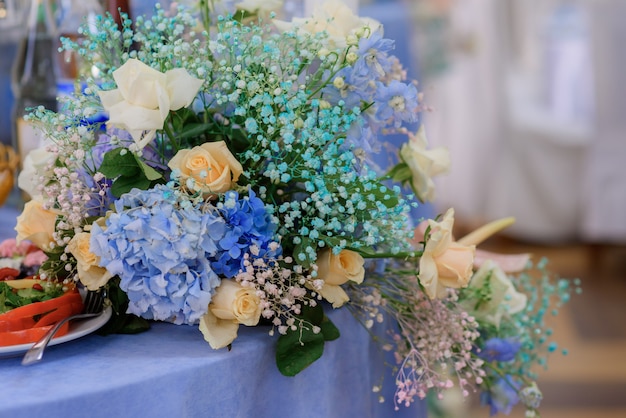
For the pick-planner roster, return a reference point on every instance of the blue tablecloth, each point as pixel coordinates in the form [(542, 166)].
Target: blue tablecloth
[(170, 371)]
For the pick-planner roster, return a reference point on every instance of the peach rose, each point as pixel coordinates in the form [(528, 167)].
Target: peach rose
[(145, 96), (36, 225), (211, 166), (231, 305), (87, 263), (444, 263), (337, 269)]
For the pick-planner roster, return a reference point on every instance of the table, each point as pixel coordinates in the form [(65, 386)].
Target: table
[(170, 371)]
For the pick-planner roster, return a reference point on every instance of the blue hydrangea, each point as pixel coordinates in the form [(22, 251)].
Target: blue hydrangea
[(248, 223), (160, 248), (502, 396), (500, 349)]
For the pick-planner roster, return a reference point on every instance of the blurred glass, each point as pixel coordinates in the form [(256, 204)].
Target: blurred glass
[(12, 28)]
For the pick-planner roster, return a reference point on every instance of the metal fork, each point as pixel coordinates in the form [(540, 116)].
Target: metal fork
[(93, 303)]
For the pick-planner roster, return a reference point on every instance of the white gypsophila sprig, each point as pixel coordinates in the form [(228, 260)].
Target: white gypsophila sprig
[(282, 288), (432, 340)]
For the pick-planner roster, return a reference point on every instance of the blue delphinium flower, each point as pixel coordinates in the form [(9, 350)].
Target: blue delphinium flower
[(499, 349), (160, 246), (248, 223), (374, 61), (502, 396), (397, 100)]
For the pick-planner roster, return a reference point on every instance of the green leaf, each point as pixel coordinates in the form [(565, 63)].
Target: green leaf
[(126, 184), (312, 314), (193, 130), (401, 173), (329, 330), (121, 322), (296, 350), (119, 162), (127, 171), (149, 172)]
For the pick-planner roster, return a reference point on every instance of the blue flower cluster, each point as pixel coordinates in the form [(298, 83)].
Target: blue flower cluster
[(375, 77), (502, 396), (500, 349), (248, 224), (160, 245)]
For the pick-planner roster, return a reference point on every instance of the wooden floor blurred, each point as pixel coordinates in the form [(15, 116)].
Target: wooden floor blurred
[(590, 381)]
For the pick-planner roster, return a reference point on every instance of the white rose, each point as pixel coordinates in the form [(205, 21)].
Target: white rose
[(231, 305), (145, 96), (424, 164), (504, 300), (337, 269), (262, 7), (32, 167), (337, 19)]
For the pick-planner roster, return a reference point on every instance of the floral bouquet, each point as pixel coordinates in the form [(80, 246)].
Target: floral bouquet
[(214, 168)]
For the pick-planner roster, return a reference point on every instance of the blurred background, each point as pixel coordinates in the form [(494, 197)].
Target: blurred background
[(530, 98)]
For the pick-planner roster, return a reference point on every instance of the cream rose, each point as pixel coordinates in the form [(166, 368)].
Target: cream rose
[(503, 299), (32, 167), (262, 7), (424, 164), (444, 262), (231, 305), (334, 17), (211, 166), (87, 263), (145, 96), (36, 225), (337, 269)]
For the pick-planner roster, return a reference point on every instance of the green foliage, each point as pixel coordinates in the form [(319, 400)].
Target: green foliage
[(121, 322), (128, 172), (299, 348)]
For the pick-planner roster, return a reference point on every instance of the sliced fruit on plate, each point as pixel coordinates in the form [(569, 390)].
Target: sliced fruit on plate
[(31, 307)]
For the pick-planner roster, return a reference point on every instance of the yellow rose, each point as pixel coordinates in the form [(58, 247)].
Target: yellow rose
[(145, 96), (231, 305), (444, 263), (337, 269), (36, 224), (503, 299), (424, 164), (87, 263), (211, 165)]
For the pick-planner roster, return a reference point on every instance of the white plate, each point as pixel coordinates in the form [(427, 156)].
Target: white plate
[(78, 328)]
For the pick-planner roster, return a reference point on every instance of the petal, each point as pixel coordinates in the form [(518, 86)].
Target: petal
[(137, 81), (485, 231), (428, 276), (334, 294), (510, 263), (110, 97), (135, 117), (182, 88), (218, 332)]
